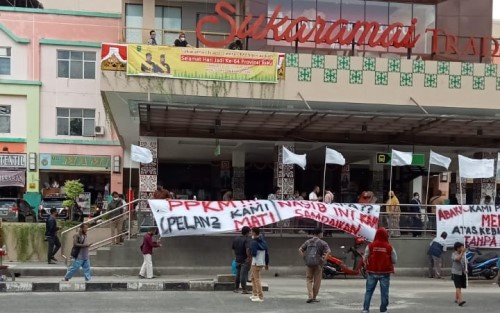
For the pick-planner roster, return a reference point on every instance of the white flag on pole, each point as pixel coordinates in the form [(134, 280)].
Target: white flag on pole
[(438, 159), (140, 154), (291, 158), (476, 168), (334, 157), (399, 158)]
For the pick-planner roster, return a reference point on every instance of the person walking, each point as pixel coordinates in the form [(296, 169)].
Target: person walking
[(147, 252), (54, 244), (458, 273), (415, 218), (434, 255), (260, 260), (380, 258), (80, 241), (393, 214), (116, 219), (243, 258), (315, 252)]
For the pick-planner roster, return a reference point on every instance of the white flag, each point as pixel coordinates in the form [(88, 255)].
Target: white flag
[(399, 158), (334, 157), (142, 155), (291, 158), (472, 168), (438, 159)]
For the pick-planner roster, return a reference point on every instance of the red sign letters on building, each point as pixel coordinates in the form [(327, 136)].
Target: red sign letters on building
[(368, 33)]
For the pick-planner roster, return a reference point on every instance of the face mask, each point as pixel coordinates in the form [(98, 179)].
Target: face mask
[(116, 199), (417, 197), (182, 39)]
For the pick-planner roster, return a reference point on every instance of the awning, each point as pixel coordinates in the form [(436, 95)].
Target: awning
[(163, 120), (12, 178)]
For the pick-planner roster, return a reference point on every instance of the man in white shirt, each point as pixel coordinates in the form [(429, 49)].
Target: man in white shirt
[(313, 196)]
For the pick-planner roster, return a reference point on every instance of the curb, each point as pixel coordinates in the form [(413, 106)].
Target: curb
[(205, 285)]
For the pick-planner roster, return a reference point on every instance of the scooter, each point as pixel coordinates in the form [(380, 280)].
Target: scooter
[(479, 264), (336, 266)]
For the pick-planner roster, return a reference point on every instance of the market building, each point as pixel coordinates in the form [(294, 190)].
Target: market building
[(52, 120), (361, 77)]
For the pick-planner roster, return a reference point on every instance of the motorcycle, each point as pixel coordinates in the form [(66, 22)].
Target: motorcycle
[(479, 264), (336, 266)]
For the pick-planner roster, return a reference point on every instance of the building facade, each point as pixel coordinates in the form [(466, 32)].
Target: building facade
[(360, 76), (51, 107)]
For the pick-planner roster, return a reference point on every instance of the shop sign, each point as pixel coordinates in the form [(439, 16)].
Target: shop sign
[(13, 160), (385, 158), (342, 31), (12, 178), (67, 161)]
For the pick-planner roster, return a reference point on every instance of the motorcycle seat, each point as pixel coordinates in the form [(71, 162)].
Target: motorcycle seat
[(485, 257)]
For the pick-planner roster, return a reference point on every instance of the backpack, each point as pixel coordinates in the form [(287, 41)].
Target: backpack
[(312, 255), (113, 205)]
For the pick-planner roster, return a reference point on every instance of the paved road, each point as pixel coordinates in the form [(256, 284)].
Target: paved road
[(286, 295)]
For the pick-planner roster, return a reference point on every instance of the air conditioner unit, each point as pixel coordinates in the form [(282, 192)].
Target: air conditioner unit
[(99, 131)]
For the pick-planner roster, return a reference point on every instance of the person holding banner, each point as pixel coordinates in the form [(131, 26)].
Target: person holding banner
[(393, 214), (458, 271)]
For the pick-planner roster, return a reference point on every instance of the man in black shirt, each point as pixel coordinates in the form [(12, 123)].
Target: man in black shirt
[(241, 250), (51, 236)]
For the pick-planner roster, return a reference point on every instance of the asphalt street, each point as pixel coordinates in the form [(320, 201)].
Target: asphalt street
[(286, 295)]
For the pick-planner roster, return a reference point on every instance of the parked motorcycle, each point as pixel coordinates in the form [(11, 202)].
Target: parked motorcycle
[(336, 266), (479, 264)]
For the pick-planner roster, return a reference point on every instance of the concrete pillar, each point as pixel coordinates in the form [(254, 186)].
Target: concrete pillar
[(377, 179), (484, 186), (148, 18), (284, 174), (148, 173), (238, 180)]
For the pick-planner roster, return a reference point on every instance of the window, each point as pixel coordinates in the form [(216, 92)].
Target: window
[(168, 18), (5, 61), (133, 23), (75, 122), (76, 64), (4, 118)]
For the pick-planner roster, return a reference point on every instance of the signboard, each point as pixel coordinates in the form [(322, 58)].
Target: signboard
[(475, 225), (12, 160), (12, 178), (81, 162), (385, 158), (190, 217), (281, 27), (203, 64), (113, 57)]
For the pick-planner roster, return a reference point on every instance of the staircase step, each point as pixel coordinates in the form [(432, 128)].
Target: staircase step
[(225, 278)]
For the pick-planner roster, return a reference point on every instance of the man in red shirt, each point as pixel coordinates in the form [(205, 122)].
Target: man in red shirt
[(147, 251), (380, 258)]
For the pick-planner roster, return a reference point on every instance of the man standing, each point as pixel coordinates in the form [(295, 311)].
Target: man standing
[(161, 193), (51, 236), (260, 260), (147, 252), (315, 251), (434, 255), (241, 251), (82, 259), (274, 194), (380, 258), (152, 38), (415, 219), (313, 196)]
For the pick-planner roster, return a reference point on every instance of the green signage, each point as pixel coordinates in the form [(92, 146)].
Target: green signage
[(385, 158), (48, 161)]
